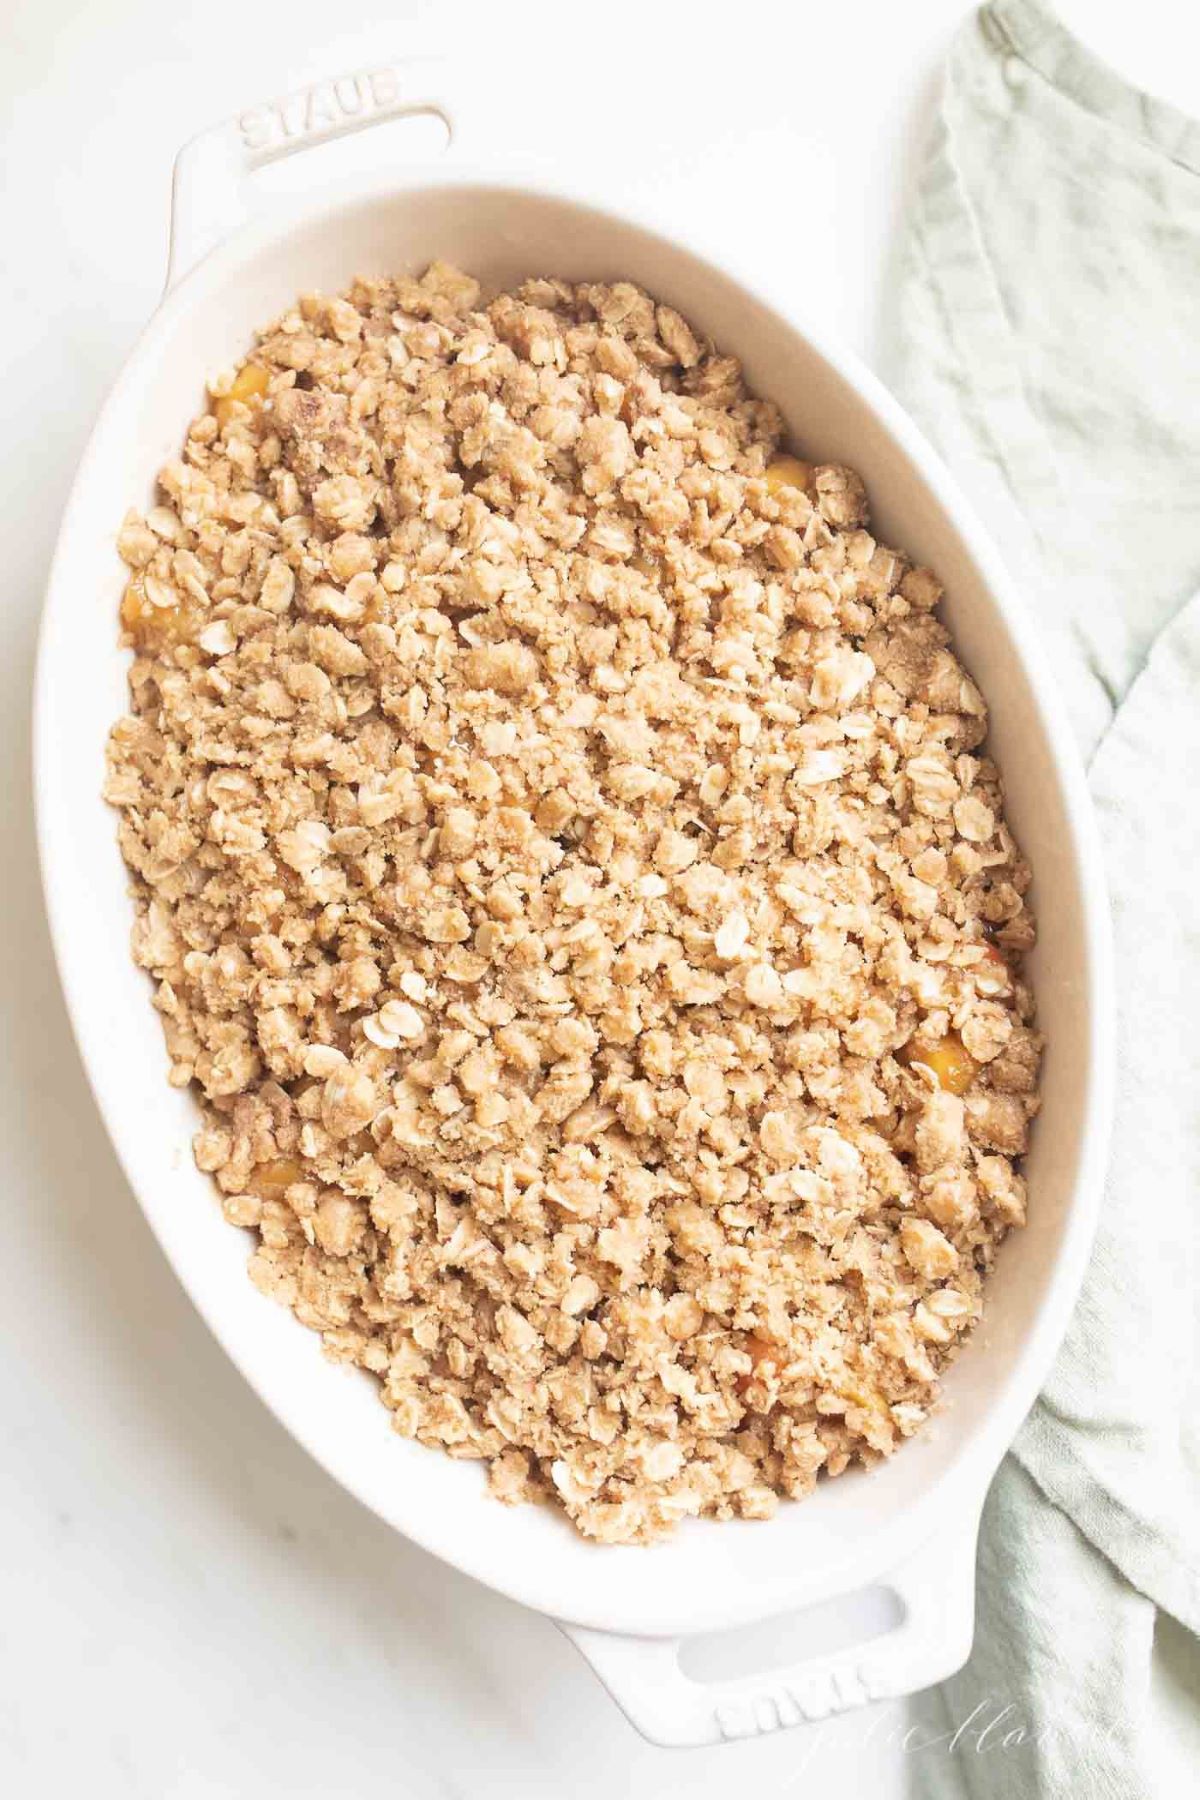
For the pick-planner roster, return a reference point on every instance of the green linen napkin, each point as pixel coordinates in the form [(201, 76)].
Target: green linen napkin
[(1047, 337)]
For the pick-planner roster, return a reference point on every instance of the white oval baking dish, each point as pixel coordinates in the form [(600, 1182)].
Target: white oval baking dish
[(909, 1525)]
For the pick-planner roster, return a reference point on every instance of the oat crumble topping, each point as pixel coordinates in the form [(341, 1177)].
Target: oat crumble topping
[(573, 883)]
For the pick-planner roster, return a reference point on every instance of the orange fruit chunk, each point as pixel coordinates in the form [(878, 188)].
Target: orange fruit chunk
[(250, 383), (271, 1180), (787, 472), (947, 1061), (766, 1358), (156, 628)]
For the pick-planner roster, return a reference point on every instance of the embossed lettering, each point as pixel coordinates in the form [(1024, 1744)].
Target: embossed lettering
[(349, 92), (318, 110), (810, 1697), (385, 88), (255, 127), (321, 110), (280, 110), (766, 1714), (877, 1683), (850, 1688), (734, 1719)]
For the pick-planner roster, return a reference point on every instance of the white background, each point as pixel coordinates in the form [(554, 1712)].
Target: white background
[(190, 1608)]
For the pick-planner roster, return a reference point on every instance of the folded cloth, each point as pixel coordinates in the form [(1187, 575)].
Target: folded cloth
[(1045, 335)]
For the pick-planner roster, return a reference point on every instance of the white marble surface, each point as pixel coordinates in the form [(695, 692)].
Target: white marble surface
[(191, 1608)]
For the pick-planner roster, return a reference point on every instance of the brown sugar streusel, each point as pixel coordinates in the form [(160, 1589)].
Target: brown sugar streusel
[(575, 888)]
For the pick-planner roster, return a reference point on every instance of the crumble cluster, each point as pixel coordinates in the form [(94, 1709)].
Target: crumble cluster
[(573, 884)]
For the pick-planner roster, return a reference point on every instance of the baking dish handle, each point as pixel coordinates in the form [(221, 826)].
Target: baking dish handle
[(212, 186), (936, 1591)]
